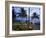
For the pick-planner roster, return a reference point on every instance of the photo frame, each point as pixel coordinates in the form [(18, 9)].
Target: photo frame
[(31, 9)]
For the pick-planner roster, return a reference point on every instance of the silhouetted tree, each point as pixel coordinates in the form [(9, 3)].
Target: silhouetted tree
[(23, 13), (35, 16), (13, 15)]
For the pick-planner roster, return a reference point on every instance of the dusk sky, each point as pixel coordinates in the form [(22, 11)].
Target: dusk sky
[(32, 10)]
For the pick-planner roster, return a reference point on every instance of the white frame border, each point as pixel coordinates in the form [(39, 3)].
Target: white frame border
[(25, 32)]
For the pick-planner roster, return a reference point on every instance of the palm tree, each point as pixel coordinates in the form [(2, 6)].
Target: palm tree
[(35, 16), (23, 13)]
